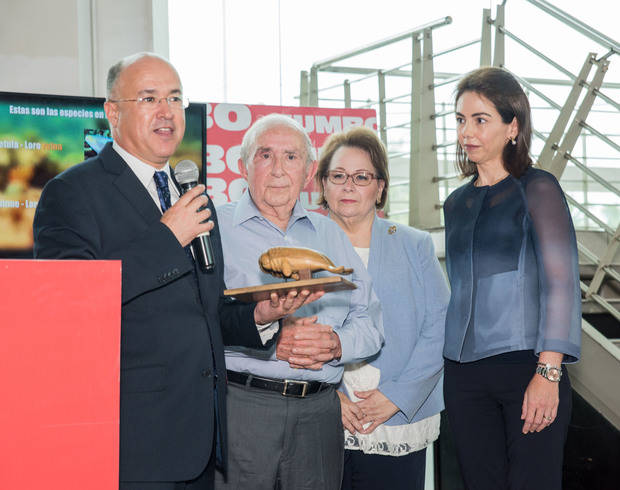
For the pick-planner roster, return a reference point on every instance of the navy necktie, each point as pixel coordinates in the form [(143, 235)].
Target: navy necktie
[(163, 191)]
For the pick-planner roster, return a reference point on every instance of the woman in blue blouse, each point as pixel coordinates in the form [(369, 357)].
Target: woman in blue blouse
[(390, 404), (515, 310)]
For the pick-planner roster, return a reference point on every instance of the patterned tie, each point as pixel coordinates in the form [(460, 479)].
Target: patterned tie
[(163, 191)]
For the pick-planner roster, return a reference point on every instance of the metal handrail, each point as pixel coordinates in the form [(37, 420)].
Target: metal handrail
[(445, 144), (578, 25), (399, 184), (396, 126), (600, 135), (397, 97), (384, 42), (396, 68), (443, 79), (539, 135), (531, 88), (447, 112), (604, 226), (398, 155), (607, 99), (532, 49), (456, 48), (447, 81), (441, 178), (588, 254), (590, 173), (604, 303)]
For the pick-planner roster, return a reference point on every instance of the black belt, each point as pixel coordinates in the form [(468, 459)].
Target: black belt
[(286, 387)]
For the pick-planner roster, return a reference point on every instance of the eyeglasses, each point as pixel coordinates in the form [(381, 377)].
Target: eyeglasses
[(361, 178), (150, 102)]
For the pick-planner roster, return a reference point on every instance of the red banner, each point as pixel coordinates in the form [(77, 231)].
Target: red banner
[(227, 123), (59, 372)]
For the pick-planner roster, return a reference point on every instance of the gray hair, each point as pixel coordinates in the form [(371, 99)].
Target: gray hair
[(117, 68), (264, 124)]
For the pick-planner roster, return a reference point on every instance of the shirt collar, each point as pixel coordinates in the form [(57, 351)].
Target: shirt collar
[(246, 209), (143, 171)]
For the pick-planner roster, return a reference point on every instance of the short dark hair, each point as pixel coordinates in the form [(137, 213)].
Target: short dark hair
[(357, 137), (504, 91)]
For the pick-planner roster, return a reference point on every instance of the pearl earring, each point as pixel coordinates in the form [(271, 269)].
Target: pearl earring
[(513, 140)]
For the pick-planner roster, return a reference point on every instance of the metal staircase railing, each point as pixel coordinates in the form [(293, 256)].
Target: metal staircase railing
[(414, 105)]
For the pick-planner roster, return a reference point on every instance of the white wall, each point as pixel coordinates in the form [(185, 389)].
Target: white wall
[(67, 46)]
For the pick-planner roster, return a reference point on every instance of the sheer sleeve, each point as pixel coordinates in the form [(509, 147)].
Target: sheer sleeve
[(559, 328)]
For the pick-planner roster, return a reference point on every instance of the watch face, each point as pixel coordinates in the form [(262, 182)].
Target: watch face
[(553, 374)]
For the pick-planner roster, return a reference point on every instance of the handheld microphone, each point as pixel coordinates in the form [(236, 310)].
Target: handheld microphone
[(186, 174)]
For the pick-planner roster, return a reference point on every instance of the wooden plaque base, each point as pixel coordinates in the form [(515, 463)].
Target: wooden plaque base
[(259, 293)]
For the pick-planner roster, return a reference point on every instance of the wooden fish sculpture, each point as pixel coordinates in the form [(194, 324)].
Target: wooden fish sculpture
[(292, 262)]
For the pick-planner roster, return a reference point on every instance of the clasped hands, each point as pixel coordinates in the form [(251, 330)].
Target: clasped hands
[(306, 344), (366, 415), (303, 343)]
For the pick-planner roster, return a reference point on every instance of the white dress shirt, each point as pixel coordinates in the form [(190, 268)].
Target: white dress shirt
[(145, 172)]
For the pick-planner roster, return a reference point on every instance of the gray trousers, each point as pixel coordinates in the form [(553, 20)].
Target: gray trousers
[(282, 443)]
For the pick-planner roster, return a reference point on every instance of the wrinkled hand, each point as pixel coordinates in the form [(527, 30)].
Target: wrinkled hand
[(276, 307), (184, 219), (540, 404), (351, 414), (305, 344), (376, 407)]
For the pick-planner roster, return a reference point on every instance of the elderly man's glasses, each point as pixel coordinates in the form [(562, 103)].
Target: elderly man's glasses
[(151, 102), (361, 178)]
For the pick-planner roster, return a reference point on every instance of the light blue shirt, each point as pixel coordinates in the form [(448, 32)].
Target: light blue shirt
[(354, 315)]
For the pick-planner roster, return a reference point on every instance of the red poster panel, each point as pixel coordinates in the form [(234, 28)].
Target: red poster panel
[(60, 374), (227, 123)]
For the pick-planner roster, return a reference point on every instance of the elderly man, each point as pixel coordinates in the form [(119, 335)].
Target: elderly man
[(121, 205), (284, 416)]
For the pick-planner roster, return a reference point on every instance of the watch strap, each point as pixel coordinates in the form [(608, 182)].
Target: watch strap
[(543, 369)]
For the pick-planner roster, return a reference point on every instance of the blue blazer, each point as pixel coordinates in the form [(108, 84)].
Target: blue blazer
[(414, 295), (100, 210)]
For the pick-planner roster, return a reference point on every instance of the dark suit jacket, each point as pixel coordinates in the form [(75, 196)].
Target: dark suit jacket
[(100, 210)]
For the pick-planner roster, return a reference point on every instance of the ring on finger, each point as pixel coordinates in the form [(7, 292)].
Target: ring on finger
[(548, 419)]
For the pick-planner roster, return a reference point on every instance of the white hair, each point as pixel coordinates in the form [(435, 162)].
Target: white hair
[(264, 124)]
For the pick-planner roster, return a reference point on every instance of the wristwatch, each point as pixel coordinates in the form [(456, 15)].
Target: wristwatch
[(552, 373)]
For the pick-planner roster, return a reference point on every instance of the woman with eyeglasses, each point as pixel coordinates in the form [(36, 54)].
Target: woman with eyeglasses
[(515, 312), (391, 403)]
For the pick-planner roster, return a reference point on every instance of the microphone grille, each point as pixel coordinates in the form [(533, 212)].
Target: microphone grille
[(185, 172)]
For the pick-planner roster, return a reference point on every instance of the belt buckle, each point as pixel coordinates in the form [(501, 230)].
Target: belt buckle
[(288, 382)]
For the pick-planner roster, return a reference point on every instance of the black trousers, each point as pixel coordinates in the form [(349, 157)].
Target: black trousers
[(378, 472), (204, 481), (483, 402)]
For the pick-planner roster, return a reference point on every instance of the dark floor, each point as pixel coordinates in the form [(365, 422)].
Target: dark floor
[(591, 456)]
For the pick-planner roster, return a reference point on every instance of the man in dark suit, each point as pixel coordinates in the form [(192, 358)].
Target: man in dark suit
[(123, 205)]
